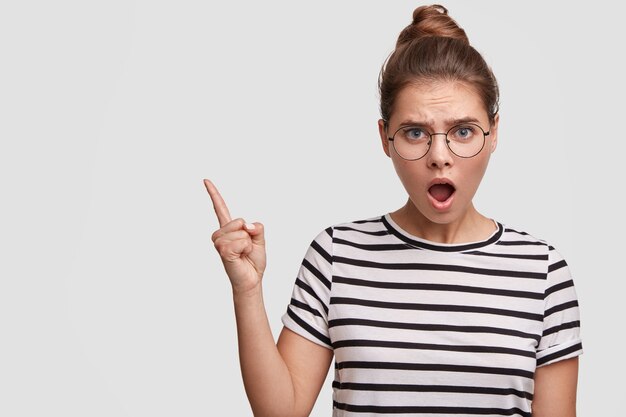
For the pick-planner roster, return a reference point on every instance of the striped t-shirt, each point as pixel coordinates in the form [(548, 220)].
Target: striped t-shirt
[(423, 328)]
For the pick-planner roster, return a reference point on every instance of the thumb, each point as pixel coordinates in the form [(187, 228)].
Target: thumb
[(256, 232)]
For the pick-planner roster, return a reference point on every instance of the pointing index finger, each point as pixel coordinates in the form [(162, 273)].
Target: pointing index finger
[(223, 215)]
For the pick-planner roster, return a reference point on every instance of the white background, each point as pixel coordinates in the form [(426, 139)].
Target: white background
[(113, 301)]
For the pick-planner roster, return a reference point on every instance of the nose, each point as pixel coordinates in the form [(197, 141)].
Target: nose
[(439, 155)]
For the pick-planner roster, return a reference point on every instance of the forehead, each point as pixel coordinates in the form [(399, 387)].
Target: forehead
[(437, 103)]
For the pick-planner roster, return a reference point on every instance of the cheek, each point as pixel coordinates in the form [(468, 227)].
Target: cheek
[(409, 172), (475, 171)]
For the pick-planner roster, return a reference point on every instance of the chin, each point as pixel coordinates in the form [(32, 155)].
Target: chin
[(451, 214), (431, 215)]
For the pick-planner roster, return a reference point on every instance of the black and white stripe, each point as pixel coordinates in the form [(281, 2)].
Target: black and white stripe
[(421, 328)]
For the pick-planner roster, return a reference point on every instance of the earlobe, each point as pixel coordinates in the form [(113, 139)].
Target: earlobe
[(382, 131)]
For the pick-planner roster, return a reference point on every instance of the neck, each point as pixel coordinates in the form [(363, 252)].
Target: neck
[(469, 227)]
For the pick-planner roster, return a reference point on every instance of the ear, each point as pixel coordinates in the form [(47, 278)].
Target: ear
[(493, 133), (382, 131)]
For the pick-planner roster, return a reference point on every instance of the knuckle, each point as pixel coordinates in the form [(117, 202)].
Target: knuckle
[(222, 250), (239, 222)]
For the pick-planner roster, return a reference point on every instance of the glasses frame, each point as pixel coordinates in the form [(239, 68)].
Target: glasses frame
[(430, 140)]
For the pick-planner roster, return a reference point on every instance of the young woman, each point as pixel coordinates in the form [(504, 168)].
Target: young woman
[(432, 309)]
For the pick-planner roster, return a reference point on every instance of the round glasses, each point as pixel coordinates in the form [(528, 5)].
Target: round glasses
[(413, 142)]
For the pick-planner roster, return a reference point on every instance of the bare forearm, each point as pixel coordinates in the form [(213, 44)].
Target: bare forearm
[(266, 378)]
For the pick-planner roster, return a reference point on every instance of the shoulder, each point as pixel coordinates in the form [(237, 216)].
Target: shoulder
[(352, 231), (369, 224), (516, 237), (361, 224), (363, 228)]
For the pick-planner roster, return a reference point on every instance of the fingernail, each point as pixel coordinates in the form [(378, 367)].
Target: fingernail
[(249, 226)]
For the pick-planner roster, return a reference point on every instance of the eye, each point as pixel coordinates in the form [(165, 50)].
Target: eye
[(414, 133), (462, 132)]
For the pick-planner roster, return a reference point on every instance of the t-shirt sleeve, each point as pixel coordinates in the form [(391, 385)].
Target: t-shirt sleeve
[(307, 313), (561, 319)]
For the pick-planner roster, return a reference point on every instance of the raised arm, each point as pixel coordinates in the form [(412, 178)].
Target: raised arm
[(282, 379)]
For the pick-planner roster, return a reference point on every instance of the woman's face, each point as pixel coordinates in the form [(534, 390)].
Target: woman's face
[(437, 107)]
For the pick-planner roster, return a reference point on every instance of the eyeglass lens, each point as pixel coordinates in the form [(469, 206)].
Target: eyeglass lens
[(464, 140)]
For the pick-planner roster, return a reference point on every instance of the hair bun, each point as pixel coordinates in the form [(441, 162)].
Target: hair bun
[(431, 21)]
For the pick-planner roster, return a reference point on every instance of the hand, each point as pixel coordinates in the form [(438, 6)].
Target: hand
[(241, 246)]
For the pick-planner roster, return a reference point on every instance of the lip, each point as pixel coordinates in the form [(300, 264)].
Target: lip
[(441, 205), (441, 180)]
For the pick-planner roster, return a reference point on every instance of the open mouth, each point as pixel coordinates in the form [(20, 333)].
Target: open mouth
[(441, 191)]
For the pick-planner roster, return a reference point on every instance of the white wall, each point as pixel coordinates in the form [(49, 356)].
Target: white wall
[(113, 301)]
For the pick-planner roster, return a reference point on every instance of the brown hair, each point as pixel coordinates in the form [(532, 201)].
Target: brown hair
[(434, 48)]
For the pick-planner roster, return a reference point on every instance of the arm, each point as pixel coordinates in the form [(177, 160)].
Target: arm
[(556, 375), (555, 389), (281, 379)]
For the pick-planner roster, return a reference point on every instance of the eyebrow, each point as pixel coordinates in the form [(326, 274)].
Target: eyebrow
[(448, 122)]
